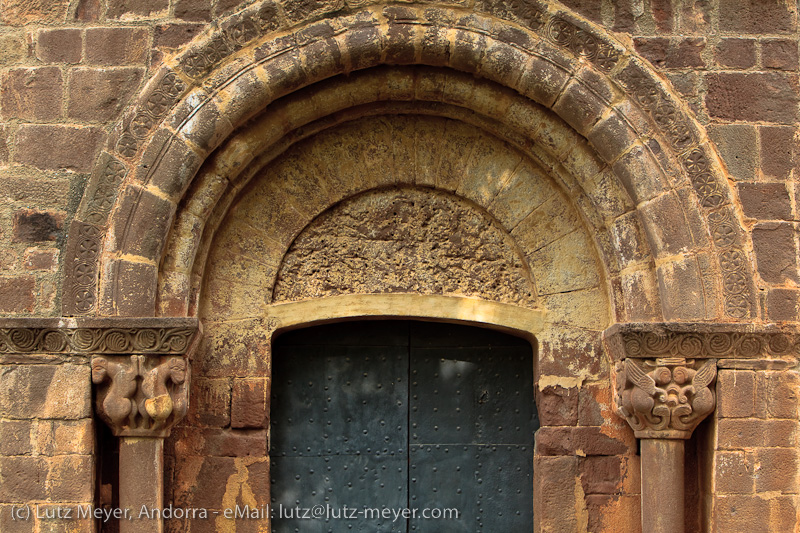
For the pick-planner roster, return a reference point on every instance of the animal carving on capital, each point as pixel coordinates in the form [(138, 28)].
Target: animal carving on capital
[(665, 397), (139, 397)]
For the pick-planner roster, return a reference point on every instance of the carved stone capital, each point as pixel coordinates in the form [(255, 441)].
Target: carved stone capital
[(665, 398), (141, 396)]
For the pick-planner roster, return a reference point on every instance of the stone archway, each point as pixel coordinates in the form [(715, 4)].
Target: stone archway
[(666, 244)]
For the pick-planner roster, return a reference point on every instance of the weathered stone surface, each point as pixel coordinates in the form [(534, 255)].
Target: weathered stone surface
[(768, 97), (775, 247), (765, 201), (120, 8), (18, 12), (249, 403), (31, 93), (59, 45), (37, 226), (98, 95), (45, 391), (70, 148), (736, 53), (116, 46), (779, 54), (557, 406), (17, 294), (738, 147), (378, 235)]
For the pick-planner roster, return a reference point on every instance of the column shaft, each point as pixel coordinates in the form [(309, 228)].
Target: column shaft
[(141, 482), (662, 485)]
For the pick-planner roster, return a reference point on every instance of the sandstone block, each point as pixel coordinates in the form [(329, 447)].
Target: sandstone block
[(249, 403), (736, 392), (31, 93), (736, 53), (775, 251), (117, 46), (17, 294), (765, 201), (754, 97), (62, 45), (68, 147), (99, 95)]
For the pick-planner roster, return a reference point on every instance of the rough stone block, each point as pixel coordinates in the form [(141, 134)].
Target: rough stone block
[(639, 174), (737, 145), (736, 53), (777, 470), (65, 437), (62, 45), (664, 221), (744, 433), (779, 54), (736, 393), (68, 147), (45, 391), (778, 150), (776, 254), (31, 93), (249, 401), (233, 349), (17, 294), (37, 226), (577, 441), (782, 304), (783, 392), (211, 402), (554, 485), (40, 259), (753, 97), (119, 8), (117, 46), (15, 437), (601, 474), (99, 95), (557, 406), (756, 16), (765, 201), (734, 472), (579, 107), (681, 288), (23, 479), (18, 12), (70, 478), (199, 10), (219, 442)]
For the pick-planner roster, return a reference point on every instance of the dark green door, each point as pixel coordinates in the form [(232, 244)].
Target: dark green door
[(371, 418)]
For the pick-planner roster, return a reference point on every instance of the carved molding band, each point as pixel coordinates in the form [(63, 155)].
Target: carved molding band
[(167, 336), (700, 341), (140, 396), (665, 398)]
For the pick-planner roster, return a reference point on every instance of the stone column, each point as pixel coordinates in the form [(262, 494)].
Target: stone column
[(141, 398), (664, 399)]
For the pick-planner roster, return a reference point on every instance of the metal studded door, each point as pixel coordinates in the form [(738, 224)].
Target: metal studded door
[(402, 415)]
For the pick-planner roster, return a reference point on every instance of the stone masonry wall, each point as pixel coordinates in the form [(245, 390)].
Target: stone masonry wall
[(69, 67)]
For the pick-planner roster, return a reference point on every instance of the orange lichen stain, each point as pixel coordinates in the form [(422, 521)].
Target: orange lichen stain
[(238, 491), (581, 512), (620, 513)]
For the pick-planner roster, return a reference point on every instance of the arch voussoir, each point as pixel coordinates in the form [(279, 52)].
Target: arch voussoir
[(235, 72)]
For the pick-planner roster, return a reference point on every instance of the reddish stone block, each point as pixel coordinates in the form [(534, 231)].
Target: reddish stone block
[(554, 486), (662, 14), (734, 472), (601, 474), (68, 147), (99, 95), (222, 7), (754, 97), (17, 294), (577, 441), (88, 10), (777, 470), (746, 433), (557, 406), (199, 10), (687, 53), (211, 402), (117, 46), (40, 259), (782, 304), (218, 442), (756, 16), (779, 54), (175, 35), (777, 150), (736, 392), (776, 255), (62, 45), (765, 201), (118, 8), (31, 93), (249, 403), (37, 226), (736, 53)]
